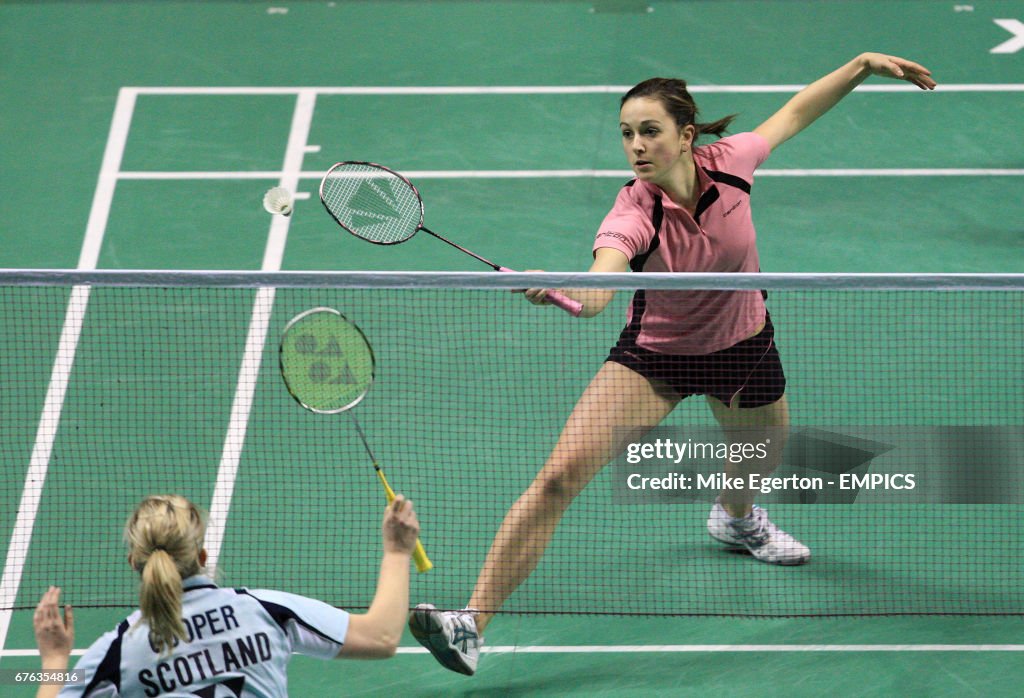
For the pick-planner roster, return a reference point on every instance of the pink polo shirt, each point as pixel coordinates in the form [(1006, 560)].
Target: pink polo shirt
[(718, 237)]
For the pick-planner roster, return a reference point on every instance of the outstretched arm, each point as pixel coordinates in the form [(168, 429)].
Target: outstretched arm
[(376, 633), (823, 94), (594, 300)]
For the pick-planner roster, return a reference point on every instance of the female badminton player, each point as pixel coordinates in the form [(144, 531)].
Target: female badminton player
[(687, 210), (192, 637)]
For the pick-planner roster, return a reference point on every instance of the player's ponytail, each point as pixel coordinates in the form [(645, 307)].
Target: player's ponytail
[(679, 103), (164, 537), (718, 128), (160, 600)]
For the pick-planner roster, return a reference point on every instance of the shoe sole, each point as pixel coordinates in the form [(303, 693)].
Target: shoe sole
[(428, 630), (739, 546), (782, 563)]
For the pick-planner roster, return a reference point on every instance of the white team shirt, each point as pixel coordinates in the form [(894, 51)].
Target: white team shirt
[(239, 644)]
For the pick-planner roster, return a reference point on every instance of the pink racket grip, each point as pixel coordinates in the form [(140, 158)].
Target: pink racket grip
[(560, 300)]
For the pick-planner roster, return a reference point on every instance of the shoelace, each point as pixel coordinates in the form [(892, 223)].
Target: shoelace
[(758, 534), (462, 633)]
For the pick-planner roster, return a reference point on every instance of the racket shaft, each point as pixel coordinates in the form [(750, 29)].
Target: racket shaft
[(419, 555), (460, 248), (555, 298)]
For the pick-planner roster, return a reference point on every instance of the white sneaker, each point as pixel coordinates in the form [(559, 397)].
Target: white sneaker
[(755, 532), (451, 636)]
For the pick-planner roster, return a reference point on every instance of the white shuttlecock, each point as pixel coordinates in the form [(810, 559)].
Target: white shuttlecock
[(278, 200)]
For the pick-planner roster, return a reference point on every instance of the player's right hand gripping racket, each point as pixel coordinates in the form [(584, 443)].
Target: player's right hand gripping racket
[(379, 205), (327, 365)]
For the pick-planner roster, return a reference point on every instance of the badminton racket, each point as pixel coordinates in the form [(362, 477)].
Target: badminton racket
[(327, 365), (379, 205)]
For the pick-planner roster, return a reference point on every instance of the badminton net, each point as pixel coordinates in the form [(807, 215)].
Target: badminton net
[(901, 470)]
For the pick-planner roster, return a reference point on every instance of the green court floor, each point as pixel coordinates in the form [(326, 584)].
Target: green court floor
[(211, 96)]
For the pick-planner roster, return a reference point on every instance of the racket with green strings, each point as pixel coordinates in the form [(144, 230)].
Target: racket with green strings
[(328, 367)]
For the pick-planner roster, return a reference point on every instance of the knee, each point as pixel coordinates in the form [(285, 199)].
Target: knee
[(557, 485)]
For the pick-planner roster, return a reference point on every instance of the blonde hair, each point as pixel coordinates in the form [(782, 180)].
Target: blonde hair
[(164, 537)]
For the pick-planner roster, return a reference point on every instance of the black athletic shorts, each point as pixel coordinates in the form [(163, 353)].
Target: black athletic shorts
[(751, 369)]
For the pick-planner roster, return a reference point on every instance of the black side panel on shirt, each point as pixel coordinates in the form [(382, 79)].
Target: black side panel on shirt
[(657, 214), (109, 668), (283, 614), (637, 264)]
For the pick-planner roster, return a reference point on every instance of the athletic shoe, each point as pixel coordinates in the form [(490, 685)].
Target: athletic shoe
[(451, 636), (755, 532)]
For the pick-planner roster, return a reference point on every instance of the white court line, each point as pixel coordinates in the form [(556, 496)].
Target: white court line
[(549, 89), (234, 440), (896, 172), (67, 345), (593, 649), (675, 649), (617, 174)]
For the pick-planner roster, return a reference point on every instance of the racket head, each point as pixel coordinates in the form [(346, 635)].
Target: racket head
[(326, 361), (372, 202)]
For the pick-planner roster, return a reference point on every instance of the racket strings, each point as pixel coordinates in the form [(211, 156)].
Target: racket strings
[(372, 202), (326, 362)]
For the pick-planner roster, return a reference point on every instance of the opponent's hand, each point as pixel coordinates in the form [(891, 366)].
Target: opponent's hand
[(55, 635), (899, 69), (401, 527)]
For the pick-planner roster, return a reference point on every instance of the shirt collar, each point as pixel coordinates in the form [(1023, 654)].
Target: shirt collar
[(704, 184), (197, 581)]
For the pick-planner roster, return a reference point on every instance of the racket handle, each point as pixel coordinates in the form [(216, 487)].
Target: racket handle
[(419, 555), (560, 300)]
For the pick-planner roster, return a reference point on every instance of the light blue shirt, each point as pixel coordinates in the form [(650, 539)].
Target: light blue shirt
[(239, 642)]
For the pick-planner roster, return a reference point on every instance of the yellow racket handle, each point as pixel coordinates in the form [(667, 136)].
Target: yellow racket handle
[(419, 555)]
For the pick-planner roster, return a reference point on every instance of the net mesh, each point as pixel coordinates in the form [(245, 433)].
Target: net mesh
[(163, 386), (372, 202)]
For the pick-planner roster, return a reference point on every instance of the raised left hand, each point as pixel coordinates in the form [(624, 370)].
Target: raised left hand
[(55, 635), (899, 69)]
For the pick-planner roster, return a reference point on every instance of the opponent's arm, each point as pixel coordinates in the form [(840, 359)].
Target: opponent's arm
[(376, 633)]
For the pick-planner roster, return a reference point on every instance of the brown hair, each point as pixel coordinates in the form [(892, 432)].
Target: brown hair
[(164, 537), (678, 102)]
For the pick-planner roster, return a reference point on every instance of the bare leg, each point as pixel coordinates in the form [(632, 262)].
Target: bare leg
[(755, 425), (617, 407)]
